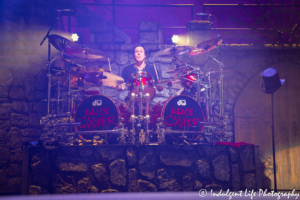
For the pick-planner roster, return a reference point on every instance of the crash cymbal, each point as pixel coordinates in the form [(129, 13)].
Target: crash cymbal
[(87, 53), (95, 77), (61, 43), (173, 51), (205, 46)]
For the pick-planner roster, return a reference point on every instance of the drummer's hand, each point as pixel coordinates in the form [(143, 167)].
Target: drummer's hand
[(121, 86)]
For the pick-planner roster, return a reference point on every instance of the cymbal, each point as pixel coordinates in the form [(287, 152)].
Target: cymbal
[(86, 53), (61, 43), (95, 77), (205, 46), (173, 51)]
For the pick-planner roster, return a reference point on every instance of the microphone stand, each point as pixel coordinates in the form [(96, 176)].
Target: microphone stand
[(48, 65)]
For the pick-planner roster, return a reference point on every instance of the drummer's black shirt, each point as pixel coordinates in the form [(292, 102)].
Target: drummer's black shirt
[(129, 70)]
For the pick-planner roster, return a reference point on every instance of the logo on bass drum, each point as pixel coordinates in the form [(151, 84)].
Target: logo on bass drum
[(97, 103), (181, 103)]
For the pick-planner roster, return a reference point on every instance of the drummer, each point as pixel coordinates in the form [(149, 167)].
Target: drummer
[(140, 65)]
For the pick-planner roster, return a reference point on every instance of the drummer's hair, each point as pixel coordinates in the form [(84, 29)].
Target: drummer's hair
[(140, 45)]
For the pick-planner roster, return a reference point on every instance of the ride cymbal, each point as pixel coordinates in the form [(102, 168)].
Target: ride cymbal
[(205, 46)]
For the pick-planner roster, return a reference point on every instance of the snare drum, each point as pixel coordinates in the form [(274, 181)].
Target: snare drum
[(147, 82), (179, 113), (99, 112)]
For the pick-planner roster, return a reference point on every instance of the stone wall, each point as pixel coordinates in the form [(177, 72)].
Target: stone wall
[(85, 169)]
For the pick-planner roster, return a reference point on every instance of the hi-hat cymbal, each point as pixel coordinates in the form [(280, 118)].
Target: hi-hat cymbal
[(173, 51), (86, 53), (205, 46), (61, 43)]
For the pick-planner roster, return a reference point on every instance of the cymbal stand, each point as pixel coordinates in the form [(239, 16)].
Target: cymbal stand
[(198, 80), (221, 83), (132, 118)]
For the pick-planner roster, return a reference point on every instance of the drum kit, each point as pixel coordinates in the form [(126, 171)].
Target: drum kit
[(79, 114)]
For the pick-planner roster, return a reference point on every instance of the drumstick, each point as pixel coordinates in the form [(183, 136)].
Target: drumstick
[(156, 71), (109, 65)]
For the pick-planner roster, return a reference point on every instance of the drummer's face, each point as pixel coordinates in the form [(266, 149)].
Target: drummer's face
[(139, 54)]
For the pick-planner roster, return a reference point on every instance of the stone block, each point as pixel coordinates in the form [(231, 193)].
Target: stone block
[(71, 164), (19, 106), (146, 186), (187, 182), (108, 153), (148, 38), (4, 100), (31, 132), (104, 37), (249, 181), (203, 168), (147, 165), (110, 191), (35, 190), (4, 153), (3, 178), (151, 26), (5, 110), (17, 93), (13, 170), (169, 158), (121, 57), (131, 156), (19, 80), (4, 125), (84, 185), (234, 154), (6, 77), (236, 184), (247, 157), (118, 172), (166, 183), (19, 120), (198, 185), (99, 172), (221, 168), (97, 25), (30, 88), (15, 138), (16, 155), (41, 81), (34, 120), (132, 180), (86, 151), (15, 182), (3, 92)]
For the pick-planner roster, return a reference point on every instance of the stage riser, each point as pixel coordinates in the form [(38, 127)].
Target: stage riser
[(84, 169)]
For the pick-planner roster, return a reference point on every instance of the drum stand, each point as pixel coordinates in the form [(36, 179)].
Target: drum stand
[(143, 134)]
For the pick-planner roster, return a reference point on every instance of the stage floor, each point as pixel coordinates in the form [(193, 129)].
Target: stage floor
[(202, 194)]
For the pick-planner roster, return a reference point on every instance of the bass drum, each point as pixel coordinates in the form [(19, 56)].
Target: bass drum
[(180, 113), (99, 112)]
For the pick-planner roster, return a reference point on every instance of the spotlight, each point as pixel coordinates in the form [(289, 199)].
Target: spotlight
[(75, 37), (175, 39)]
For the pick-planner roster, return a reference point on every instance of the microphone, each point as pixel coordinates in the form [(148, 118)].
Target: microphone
[(203, 14)]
